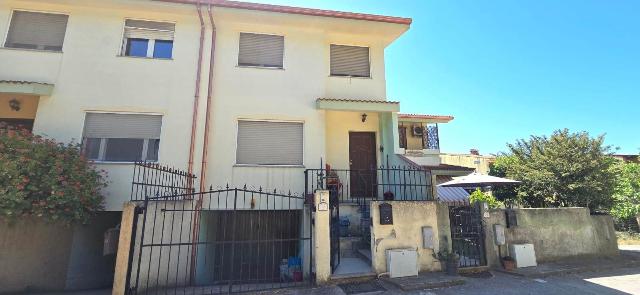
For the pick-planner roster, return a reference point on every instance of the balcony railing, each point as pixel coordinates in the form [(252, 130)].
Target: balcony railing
[(393, 183)]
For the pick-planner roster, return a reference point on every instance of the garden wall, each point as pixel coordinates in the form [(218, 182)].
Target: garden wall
[(34, 255), (556, 233)]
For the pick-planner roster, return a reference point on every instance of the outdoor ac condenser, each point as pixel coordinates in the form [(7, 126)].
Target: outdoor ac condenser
[(402, 262)]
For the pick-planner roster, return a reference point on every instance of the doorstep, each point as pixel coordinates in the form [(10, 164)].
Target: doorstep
[(429, 280)]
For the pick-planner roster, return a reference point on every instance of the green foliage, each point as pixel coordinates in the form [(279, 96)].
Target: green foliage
[(479, 196), (565, 169), (40, 177), (504, 193), (627, 191)]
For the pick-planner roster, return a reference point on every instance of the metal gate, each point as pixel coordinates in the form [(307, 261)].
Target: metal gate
[(225, 240), (334, 227), (467, 235)]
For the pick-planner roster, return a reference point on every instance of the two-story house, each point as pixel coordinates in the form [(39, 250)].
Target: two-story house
[(235, 93)]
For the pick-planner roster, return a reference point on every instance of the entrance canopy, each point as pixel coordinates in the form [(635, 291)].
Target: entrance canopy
[(477, 180), (357, 105), (26, 87)]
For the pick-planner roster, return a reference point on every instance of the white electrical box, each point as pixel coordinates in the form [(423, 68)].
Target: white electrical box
[(498, 231), (427, 237), (523, 254), (402, 263)]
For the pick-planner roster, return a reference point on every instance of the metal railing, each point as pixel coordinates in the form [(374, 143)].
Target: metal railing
[(389, 183), (153, 179)]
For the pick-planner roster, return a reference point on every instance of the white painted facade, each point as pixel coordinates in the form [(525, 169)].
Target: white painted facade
[(91, 75)]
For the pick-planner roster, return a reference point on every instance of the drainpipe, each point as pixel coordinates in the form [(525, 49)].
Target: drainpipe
[(203, 168), (205, 145), (196, 97)]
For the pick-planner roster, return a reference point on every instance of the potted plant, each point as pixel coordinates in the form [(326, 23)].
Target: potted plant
[(449, 260), (508, 263)]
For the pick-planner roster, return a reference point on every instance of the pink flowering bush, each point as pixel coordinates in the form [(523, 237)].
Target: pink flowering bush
[(43, 178)]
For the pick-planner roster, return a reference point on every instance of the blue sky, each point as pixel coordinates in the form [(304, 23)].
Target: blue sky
[(508, 69)]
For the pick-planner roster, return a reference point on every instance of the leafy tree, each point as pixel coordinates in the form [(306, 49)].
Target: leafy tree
[(627, 192), (43, 178), (565, 169), (479, 196), (506, 194)]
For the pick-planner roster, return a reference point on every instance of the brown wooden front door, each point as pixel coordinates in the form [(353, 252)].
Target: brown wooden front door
[(362, 163)]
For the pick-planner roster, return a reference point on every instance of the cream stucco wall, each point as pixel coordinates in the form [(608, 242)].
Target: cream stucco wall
[(89, 75), (405, 233), (338, 126), (480, 163)]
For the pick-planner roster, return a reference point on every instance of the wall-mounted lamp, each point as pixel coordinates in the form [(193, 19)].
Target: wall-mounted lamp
[(364, 117), (14, 104)]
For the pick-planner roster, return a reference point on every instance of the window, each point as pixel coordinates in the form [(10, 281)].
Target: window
[(36, 30), (260, 50), (121, 137), (351, 61), (148, 39), (269, 143)]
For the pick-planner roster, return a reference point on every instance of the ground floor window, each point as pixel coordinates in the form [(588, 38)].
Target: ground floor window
[(114, 137)]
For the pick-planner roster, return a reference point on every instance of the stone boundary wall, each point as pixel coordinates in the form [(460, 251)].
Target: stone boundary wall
[(556, 233)]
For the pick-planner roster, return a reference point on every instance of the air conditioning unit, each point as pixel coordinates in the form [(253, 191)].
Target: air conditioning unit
[(417, 130), (523, 254), (402, 263)]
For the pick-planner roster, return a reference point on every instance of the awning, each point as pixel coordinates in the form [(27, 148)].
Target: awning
[(424, 118), (357, 105), (478, 180), (26, 87), (453, 195)]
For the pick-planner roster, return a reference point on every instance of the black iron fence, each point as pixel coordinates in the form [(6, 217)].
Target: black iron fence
[(153, 179), (467, 234), (226, 240), (400, 183)]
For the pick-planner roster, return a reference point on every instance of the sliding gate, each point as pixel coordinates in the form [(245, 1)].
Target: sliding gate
[(227, 240)]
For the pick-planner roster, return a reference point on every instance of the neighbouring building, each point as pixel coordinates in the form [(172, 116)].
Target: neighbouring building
[(286, 97)]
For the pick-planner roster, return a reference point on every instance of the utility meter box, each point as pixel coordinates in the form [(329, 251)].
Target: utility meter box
[(498, 231), (523, 254), (402, 262)]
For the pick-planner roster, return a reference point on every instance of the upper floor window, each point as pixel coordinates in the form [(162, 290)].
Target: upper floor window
[(351, 61), (36, 30), (261, 50), (402, 134), (148, 39), (269, 143), (121, 137)]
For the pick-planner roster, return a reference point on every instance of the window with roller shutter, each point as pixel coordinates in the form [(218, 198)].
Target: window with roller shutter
[(261, 50), (36, 30), (114, 137), (269, 143), (151, 39), (349, 61)]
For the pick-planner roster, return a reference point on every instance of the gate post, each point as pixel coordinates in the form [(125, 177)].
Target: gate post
[(321, 237), (124, 249)]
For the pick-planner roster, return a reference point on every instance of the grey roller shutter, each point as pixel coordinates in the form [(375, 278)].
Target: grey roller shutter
[(269, 143), (105, 125), (349, 61), (261, 50), (35, 30), (151, 30)]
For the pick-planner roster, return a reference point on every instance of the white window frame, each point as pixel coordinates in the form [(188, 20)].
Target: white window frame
[(302, 165), (6, 33), (152, 42), (103, 141)]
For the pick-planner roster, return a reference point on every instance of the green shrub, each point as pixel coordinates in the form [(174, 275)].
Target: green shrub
[(479, 196), (43, 178)]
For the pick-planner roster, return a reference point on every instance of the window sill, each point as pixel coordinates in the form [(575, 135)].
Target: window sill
[(268, 166), (32, 50), (261, 67), (351, 77), (144, 57)]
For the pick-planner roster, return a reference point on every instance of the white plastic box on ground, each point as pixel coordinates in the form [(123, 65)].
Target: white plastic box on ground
[(523, 254), (402, 262)]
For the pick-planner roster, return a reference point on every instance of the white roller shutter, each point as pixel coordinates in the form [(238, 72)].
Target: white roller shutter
[(141, 29), (349, 61), (35, 30), (269, 143), (261, 50), (106, 125)]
